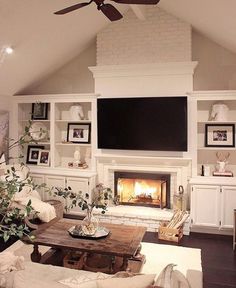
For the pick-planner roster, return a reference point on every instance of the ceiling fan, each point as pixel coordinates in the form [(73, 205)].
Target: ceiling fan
[(107, 9)]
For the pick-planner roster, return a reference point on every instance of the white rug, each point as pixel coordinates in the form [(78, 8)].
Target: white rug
[(187, 260)]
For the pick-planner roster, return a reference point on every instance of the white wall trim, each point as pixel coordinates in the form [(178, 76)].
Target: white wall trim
[(168, 68)]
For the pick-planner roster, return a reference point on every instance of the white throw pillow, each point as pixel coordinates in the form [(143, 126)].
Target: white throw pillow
[(87, 280), (170, 278), (139, 281)]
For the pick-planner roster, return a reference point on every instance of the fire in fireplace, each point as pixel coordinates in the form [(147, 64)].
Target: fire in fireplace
[(143, 189)]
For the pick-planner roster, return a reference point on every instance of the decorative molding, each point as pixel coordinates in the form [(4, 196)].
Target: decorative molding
[(168, 68)]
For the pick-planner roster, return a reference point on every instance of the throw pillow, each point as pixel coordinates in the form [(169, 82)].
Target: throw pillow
[(170, 278), (139, 281), (87, 280)]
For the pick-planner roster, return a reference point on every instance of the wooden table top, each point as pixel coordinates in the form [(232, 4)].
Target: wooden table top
[(122, 240)]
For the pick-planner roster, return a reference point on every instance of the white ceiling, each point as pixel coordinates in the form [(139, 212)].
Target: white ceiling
[(44, 42)]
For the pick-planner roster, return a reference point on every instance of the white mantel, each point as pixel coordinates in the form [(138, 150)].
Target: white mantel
[(157, 79)]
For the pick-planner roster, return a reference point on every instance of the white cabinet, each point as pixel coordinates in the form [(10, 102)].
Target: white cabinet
[(228, 201), (213, 206), (205, 209)]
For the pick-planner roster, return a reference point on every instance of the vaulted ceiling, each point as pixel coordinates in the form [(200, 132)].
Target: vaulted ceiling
[(43, 42)]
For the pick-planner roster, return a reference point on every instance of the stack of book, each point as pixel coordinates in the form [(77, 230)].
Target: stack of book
[(225, 174)]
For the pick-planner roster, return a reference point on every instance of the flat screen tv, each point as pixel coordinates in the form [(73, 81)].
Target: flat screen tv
[(148, 123)]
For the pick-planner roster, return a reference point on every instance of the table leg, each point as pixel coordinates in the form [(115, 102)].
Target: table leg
[(124, 265), (36, 255)]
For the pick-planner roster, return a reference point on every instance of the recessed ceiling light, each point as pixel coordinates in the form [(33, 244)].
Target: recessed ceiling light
[(8, 50)]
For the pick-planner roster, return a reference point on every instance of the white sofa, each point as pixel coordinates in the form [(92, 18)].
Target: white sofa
[(157, 257)]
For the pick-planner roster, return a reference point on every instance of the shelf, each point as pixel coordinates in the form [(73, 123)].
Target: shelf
[(216, 122), (27, 120), (39, 143), (73, 144), (73, 121), (216, 148)]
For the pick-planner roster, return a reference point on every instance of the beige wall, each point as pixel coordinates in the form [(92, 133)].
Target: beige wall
[(4, 103), (74, 77), (216, 68)]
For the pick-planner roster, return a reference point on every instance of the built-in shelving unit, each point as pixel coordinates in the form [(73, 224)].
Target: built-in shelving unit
[(59, 172)]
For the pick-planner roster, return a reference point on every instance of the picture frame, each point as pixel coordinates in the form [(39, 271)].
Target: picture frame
[(219, 135), (39, 111), (33, 154), (44, 158), (78, 132)]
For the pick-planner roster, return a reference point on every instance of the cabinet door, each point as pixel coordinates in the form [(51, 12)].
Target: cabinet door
[(77, 184), (38, 179), (228, 204), (55, 181), (205, 210)]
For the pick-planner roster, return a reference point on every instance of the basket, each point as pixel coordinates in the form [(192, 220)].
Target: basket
[(170, 234), (74, 260), (58, 207)]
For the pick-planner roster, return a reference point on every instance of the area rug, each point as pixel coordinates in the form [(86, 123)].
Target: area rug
[(187, 260)]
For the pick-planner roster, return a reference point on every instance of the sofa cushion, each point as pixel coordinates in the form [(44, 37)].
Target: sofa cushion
[(170, 278)]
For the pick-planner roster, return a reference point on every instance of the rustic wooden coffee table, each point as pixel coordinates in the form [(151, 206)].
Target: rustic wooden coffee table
[(123, 241)]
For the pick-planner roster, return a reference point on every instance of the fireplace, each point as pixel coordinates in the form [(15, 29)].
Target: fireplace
[(142, 189)]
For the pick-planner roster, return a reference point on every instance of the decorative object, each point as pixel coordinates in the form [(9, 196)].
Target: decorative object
[(77, 232), (219, 112), (222, 161), (33, 154), (38, 131), (44, 158), (78, 133), (77, 156), (219, 135), (100, 199), (39, 111), (76, 112), (180, 201)]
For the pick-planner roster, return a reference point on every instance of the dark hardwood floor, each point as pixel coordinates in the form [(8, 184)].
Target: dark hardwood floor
[(218, 257)]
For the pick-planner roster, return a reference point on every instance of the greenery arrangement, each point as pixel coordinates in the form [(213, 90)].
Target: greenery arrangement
[(100, 198), (11, 216)]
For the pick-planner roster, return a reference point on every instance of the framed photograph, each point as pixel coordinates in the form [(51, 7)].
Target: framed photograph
[(33, 154), (44, 158), (78, 133), (39, 111), (220, 135)]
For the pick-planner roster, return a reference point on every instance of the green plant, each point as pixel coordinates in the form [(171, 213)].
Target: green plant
[(100, 198), (11, 216)]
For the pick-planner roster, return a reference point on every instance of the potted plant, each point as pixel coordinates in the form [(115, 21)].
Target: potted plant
[(100, 199)]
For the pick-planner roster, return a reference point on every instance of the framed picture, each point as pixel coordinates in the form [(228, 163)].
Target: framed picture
[(78, 133), (33, 154), (44, 158), (220, 135), (39, 111)]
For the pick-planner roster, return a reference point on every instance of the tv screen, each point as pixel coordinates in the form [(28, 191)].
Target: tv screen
[(150, 123)]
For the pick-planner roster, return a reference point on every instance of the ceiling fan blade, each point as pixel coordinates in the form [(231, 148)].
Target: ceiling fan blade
[(72, 8), (110, 12), (137, 2)]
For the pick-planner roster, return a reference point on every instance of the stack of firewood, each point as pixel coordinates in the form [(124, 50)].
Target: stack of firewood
[(173, 230), (178, 219)]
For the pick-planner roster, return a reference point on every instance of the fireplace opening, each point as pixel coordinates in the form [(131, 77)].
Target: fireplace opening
[(143, 189)]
